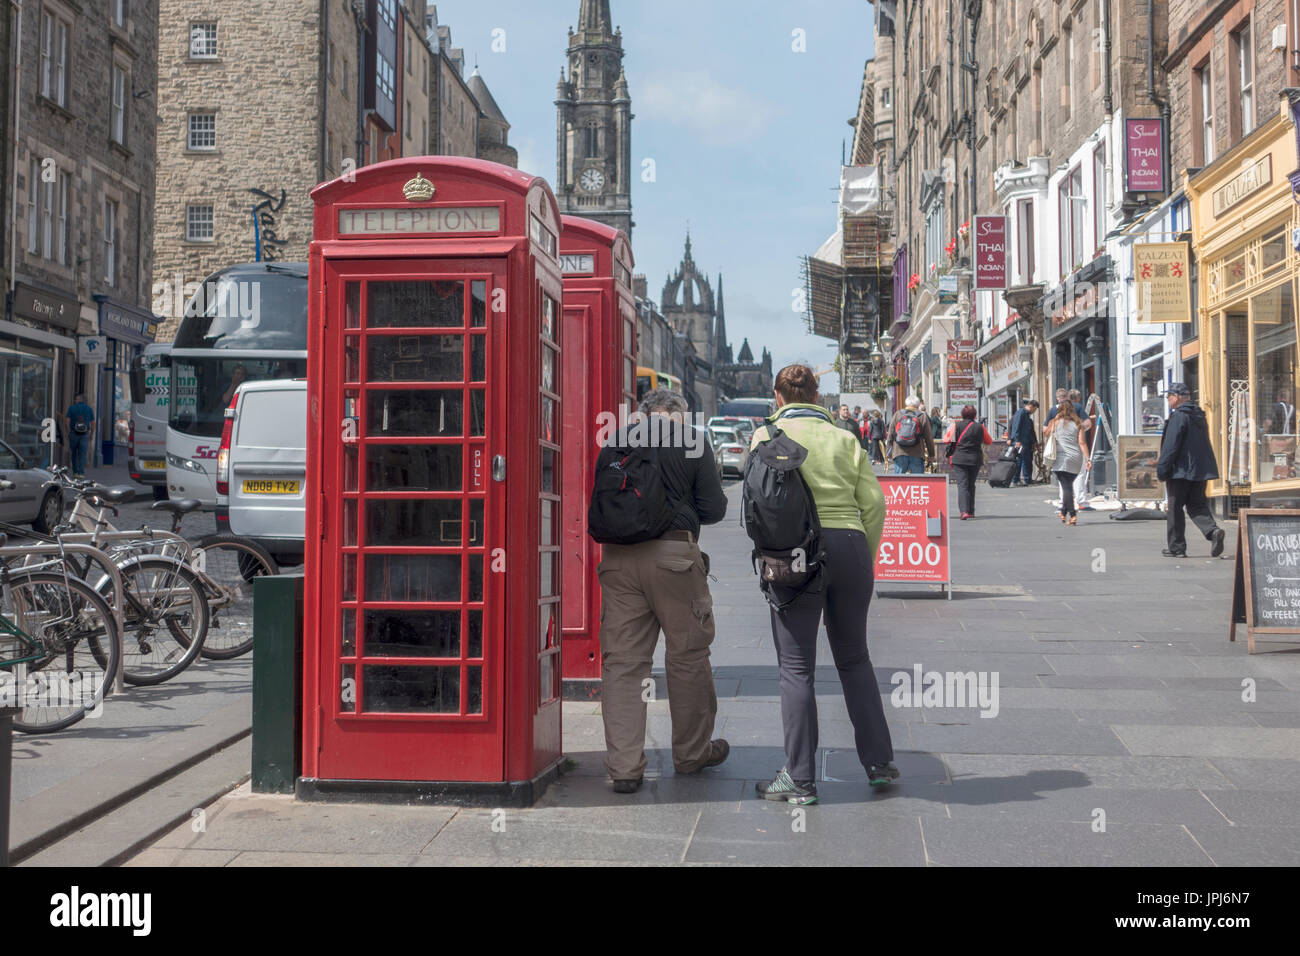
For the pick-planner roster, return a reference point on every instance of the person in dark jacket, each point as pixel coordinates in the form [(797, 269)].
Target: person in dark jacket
[(847, 421), (662, 584), (965, 456), (1024, 435), (1186, 463)]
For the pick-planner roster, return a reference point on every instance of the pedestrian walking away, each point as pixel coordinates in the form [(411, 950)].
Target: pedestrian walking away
[(1024, 436), (850, 514), (911, 439), (1186, 463), (647, 507), (1081, 482), (81, 431), (1067, 433), (965, 454), (877, 437)]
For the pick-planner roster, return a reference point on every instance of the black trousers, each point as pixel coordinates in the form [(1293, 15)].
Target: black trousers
[(844, 597), (1066, 480), (1189, 496), (965, 476)]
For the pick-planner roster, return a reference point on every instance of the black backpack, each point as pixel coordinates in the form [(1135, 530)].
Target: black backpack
[(628, 501), (907, 433), (780, 517)]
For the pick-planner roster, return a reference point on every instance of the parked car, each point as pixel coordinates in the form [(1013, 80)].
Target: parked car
[(262, 467), (713, 445), (731, 449), (744, 426), (35, 498)]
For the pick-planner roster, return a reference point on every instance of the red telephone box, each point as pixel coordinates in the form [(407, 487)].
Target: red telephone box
[(432, 644), (599, 376)]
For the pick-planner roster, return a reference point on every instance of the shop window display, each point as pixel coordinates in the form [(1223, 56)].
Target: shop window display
[(1273, 317)]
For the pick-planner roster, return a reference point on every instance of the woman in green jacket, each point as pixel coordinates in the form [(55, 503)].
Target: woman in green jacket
[(851, 509)]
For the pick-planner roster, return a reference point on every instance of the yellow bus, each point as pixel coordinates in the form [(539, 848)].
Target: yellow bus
[(648, 379)]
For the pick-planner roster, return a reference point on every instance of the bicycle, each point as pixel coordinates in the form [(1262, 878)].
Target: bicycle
[(225, 564), (48, 616), (165, 613)]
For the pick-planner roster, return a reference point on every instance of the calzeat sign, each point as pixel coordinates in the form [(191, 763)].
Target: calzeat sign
[(1251, 179)]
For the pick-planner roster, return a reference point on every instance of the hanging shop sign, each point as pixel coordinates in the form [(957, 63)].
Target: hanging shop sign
[(990, 252), (1162, 277), (1144, 160)]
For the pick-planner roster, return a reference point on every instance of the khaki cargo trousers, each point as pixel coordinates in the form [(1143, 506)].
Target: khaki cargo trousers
[(659, 584)]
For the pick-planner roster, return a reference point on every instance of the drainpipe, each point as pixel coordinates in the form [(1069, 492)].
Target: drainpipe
[(18, 79), (324, 86), (1112, 320), (359, 15), (1154, 98)]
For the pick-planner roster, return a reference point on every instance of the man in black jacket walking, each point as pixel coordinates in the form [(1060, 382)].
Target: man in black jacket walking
[(1186, 463)]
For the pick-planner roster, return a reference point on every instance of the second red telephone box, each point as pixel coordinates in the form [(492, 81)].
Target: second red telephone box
[(432, 638), (599, 385)]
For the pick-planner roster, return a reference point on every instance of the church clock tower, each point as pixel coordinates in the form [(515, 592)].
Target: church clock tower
[(593, 120)]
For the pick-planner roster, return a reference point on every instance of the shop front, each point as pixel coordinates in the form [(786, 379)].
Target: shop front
[(1076, 315), (1006, 380), (124, 330), (37, 369), (1243, 214)]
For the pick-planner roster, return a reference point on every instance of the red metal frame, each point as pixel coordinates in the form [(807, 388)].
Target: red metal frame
[(599, 377), (481, 522)]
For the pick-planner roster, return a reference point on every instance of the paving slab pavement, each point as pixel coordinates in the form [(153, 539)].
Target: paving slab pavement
[(1124, 733)]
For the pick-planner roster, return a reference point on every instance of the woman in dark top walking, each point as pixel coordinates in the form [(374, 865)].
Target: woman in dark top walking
[(965, 456)]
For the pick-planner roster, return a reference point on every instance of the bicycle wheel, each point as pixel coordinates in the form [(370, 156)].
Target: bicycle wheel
[(165, 618), (76, 628), (231, 564)]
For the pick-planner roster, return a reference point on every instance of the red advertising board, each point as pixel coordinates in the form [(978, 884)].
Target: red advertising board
[(990, 252), (1144, 162), (914, 544)]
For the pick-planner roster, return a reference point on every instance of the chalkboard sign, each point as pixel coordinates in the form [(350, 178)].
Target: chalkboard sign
[(1266, 586)]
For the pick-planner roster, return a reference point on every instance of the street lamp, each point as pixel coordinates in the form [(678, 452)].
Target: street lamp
[(877, 356), (886, 341)]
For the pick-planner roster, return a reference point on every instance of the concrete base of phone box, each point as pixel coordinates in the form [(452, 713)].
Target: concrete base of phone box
[(512, 793), (580, 688)]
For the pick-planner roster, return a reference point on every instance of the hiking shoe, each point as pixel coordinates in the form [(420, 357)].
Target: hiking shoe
[(785, 788), (1216, 548), (718, 751), (627, 786), (881, 774)]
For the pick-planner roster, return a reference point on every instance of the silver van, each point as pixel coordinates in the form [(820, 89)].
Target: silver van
[(262, 462)]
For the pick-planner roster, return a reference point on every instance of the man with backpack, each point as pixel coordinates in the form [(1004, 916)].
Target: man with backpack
[(81, 425), (911, 439), (653, 489)]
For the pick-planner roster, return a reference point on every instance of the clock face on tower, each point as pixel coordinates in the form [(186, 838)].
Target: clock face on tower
[(592, 180)]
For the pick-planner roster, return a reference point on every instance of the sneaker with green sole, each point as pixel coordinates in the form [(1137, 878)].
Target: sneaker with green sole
[(784, 787), (881, 774)]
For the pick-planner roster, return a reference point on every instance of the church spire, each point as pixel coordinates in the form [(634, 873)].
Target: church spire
[(594, 17), (720, 330)]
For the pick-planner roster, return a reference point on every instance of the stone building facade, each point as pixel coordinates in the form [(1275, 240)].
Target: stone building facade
[(78, 231), (1017, 108), (236, 168), (1205, 54)]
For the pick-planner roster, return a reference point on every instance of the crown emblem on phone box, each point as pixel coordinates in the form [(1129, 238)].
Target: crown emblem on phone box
[(418, 189)]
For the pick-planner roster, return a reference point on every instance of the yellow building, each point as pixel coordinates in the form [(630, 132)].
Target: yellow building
[(1243, 213)]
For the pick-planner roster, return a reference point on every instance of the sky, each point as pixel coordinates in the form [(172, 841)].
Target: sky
[(745, 132)]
